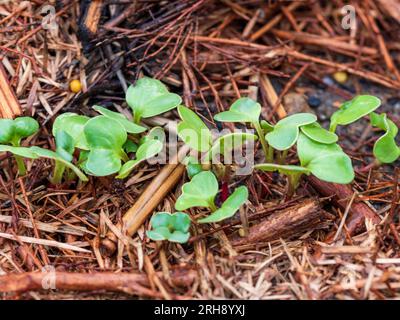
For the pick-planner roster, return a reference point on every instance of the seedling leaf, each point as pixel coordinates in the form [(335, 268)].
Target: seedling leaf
[(283, 169), (45, 153), (315, 132), (73, 125), (193, 131), (19, 151), (242, 110), (352, 110), (286, 131), (171, 227), (385, 148), (226, 143), (106, 138), (128, 125), (150, 97), (145, 151), (199, 192), (229, 207), (6, 130)]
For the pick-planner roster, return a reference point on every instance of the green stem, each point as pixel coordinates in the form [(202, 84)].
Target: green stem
[(21, 165), (332, 127), (212, 205), (294, 180), (282, 156), (58, 173), (260, 134), (18, 159), (270, 155), (136, 117)]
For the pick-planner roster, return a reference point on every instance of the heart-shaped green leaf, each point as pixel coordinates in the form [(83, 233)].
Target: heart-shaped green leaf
[(199, 192), (283, 169), (145, 151), (6, 130), (156, 133), (64, 145), (354, 109), (45, 153), (242, 110), (19, 151), (286, 131), (226, 143), (326, 161), (129, 126), (130, 146), (172, 227), (315, 132), (193, 131), (266, 126), (193, 167), (25, 127), (150, 97), (73, 125), (385, 148), (229, 207), (106, 138)]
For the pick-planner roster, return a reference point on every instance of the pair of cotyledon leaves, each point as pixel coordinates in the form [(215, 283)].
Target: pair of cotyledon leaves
[(193, 131), (150, 97), (385, 148), (172, 227), (285, 133), (103, 138), (201, 192), (327, 162)]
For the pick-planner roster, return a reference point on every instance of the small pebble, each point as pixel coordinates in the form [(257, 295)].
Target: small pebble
[(340, 77), (75, 86), (314, 102)]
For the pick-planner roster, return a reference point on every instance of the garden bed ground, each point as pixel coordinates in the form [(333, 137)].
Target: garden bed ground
[(284, 54)]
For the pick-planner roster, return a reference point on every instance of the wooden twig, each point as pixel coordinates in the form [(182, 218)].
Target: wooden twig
[(132, 283), (289, 222), (89, 22), (9, 105)]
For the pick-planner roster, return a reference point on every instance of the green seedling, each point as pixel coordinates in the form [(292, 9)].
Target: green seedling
[(129, 126), (150, 97), (13, 131), (105, 140), (327, 162), (385, 148), (229, 207), (201, 192), (19, 153), (72, 124), (248, 111), (172, 227), (44, 153), (353, 110), (193, 167), (196, 134), (315, 132), (286, 131), (147, 150)]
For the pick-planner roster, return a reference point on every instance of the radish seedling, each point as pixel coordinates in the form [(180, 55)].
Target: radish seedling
[(201, 192), (248, 111), (353, 110), (196, 134), (172, 227), (150, 97), (129, 126), (105, 140), (327, 162), (385, 148), (12, 132)]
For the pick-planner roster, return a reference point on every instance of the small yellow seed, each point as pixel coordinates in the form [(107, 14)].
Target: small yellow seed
[(75, 86), (340, 76)]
